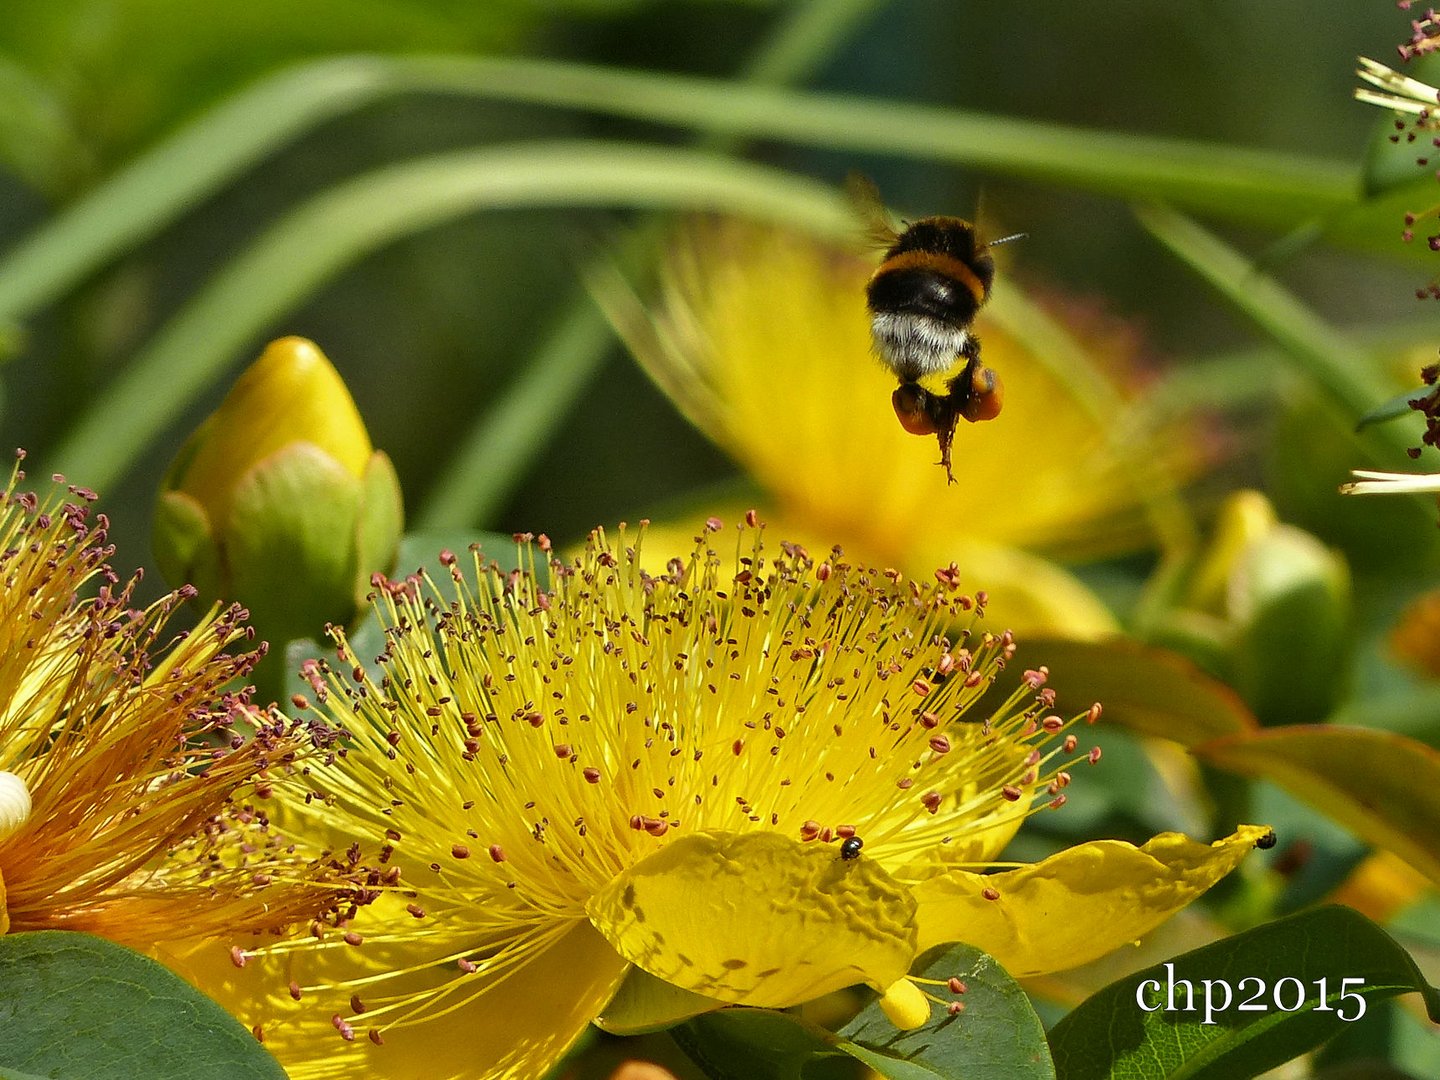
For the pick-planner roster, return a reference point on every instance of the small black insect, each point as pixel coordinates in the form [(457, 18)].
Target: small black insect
[(850, 847), (1267, 841)]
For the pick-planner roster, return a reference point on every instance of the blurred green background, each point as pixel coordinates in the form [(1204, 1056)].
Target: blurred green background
[(430, 329)]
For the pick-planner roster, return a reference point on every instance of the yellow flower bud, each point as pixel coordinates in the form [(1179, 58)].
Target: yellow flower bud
[(291, 394), (279, 501), (1265, 607)]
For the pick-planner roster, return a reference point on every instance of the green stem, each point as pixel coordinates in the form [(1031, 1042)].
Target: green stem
[(1319, 351)]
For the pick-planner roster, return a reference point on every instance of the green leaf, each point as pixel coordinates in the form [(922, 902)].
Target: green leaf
[(1153, 691), (998, 1034), (75, 1007), (311, 244), (1109, 1035), (1384, 786), (752, 1044), (1398, 406)]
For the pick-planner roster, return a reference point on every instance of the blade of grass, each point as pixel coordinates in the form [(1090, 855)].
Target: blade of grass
[(1276, 190), (313, 242), (490, 460), (141, 199), (1317, 350)]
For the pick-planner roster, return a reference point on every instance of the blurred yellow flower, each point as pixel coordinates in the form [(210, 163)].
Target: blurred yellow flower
[(762, 339), (130, 804), (746, 780)]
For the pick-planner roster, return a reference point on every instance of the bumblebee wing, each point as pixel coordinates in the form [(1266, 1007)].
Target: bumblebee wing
[(879, 228)]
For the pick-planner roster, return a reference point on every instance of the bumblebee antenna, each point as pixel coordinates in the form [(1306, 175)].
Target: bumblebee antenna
[(1007, 239)]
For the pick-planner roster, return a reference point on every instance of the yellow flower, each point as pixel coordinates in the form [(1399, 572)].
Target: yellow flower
[(762, 339), (747, 780), (118, 747)]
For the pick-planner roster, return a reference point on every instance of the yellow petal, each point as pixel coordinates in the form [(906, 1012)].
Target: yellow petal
[(514, 1028), (758, 918), (1381, 887), (4, 909), (1079, 904)]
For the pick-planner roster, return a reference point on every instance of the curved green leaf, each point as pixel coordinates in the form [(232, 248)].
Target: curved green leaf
[(74, 1007), (1111, 1036), (314, 242), (997, 1034), (1149, 690), (1276, 190), (1383, 786)]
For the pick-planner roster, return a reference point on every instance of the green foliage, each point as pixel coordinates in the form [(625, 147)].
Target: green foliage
[(997, 1034), (1109, 1036), (75, 1007)]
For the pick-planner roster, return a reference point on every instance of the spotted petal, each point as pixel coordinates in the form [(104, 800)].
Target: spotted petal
[(758, 918), (1080, 903)]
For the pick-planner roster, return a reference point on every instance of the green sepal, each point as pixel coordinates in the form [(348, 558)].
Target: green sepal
[(644, 1003), (289, 542), (184, 544)]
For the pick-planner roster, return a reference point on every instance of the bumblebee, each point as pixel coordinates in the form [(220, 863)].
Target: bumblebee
[(923, 297)]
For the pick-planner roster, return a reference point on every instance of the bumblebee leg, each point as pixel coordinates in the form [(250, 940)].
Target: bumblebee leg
[(962, 386), (946, 435), (976, 393)]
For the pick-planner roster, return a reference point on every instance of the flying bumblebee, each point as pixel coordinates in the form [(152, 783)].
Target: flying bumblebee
[(923, 297)]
